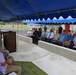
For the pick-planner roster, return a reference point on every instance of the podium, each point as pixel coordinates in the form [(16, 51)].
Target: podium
[(10, 41)]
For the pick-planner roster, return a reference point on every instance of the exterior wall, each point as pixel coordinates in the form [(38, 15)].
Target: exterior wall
[(24, 38), (68, 53)]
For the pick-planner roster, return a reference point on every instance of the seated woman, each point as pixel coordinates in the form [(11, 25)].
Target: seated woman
[(68, 39), (30, 33), (56, 37)]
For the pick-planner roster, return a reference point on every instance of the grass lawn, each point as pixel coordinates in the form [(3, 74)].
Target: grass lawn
[(28, 68), (16, 27), (20, 27)]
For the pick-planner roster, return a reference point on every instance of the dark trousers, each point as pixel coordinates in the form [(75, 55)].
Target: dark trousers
[(55, 42), (34, 39), (43, 39), (49, 40), (60, 43)]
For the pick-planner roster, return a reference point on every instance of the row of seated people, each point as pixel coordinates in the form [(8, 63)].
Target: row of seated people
[(63, 39)]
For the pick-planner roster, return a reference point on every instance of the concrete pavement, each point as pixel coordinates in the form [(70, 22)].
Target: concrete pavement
[(49, 62)]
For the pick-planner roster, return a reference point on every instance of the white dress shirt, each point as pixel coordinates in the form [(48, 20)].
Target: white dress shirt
[(50, 35)]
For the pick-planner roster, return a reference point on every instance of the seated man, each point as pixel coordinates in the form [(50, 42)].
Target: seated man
[(50, 36), (62, 38), (3, 49), (74, 41), (68, 39), (74, 35), (39, 33), (6, 65), (0, 40), (44, 36), (35, 36), (56, 37)]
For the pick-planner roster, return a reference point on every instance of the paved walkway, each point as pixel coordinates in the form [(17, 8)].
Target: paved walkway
[(49, 62)]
